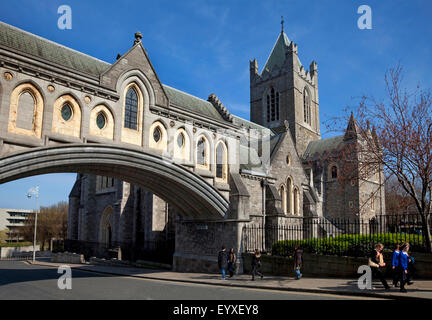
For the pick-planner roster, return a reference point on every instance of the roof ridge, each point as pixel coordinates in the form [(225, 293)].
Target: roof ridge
[(53, 42)]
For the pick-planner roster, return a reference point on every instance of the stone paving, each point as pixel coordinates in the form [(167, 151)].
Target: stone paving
[(421, 289)]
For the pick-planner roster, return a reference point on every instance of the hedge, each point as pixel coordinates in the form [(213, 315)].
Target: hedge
[(347, 245)]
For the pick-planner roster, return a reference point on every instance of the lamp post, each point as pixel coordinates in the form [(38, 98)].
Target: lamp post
[(34, 192)]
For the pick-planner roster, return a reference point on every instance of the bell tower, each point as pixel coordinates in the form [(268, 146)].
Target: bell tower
[(284, 90)]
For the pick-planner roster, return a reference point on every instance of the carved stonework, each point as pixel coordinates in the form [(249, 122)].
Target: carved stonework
[(51, 88), (172, 124), (8, 76), (87, 99)]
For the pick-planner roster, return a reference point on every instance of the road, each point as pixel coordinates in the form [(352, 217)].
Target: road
[(19, 280)]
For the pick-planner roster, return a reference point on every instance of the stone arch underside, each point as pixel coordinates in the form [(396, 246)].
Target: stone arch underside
[(192, 195)]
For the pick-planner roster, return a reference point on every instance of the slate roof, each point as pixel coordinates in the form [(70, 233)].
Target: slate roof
[(39, 47), (319, 146), (277, 56), (192, 103)]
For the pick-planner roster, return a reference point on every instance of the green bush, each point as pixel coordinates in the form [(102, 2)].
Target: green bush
[(347, 245)]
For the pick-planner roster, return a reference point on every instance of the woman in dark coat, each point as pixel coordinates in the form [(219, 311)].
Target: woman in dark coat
[(231, 262), (256, 262), (298, 261), (223, 262), (376, 262)]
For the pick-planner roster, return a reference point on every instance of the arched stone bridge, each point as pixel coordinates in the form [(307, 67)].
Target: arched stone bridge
[(172, 182)]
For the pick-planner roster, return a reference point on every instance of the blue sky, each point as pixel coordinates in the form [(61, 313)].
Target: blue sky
[(204, 47)]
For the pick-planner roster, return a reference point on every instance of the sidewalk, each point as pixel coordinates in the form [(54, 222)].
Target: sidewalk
[(421, 289)]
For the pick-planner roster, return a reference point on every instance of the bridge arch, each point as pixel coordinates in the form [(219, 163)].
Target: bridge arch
[(192, 195)]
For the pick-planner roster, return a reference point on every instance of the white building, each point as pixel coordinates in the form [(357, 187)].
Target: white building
[(11, 220)]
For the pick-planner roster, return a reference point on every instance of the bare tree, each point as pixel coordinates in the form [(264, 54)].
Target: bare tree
[(400, 141), (52, 224)]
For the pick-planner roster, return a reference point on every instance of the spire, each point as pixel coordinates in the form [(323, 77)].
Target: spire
[(277, 55), (352, 130), (375, 136)]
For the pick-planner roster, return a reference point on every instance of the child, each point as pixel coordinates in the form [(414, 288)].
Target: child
[(298, 261), (403, 265), (395, 264)]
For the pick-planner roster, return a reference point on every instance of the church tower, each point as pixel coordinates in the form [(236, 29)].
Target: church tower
[(285, 91)]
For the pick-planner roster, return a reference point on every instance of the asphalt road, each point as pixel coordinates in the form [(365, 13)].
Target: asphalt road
[(18, 280)]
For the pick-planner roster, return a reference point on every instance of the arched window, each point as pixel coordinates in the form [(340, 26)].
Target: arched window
[(334, 172), (372, 197), (26, 109), (203, 152), (221, 161), (181, 145), (105, 227), (307, 107), (131, 109), (272, 105), (289, 197), (296, 201), (283, 195)]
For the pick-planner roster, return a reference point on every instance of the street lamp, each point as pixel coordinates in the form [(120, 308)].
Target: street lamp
[(34, 192)]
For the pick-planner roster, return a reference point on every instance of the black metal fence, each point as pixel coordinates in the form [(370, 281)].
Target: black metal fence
[(157, 251), (344, 237)]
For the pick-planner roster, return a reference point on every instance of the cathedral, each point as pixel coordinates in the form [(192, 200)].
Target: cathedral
[(274, 169), (284, 104)]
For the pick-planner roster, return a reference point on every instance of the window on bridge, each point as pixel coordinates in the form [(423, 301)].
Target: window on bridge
[(26, 108), (182, 145), (131, 109), (221, 162), (203, 153)]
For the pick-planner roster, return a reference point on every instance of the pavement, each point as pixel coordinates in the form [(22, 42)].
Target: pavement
[(421, 289)]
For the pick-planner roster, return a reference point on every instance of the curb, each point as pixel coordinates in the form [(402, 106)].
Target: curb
[(235, 285)]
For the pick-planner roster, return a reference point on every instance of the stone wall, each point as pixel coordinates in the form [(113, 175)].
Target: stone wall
[(331, 266), (9, 252), (67, 257), (197, 244)]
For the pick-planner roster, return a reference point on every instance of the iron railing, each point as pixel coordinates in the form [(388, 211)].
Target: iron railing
[(347, 237)]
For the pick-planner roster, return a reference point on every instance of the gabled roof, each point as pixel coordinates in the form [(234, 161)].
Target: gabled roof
[(192, 103), (320, 146), (277, 56), (39, 47)]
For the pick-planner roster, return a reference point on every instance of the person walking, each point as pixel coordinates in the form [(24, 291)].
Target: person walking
[(376, 262), (223, 262), (298, 261), (231, 262), (411, 269), (403, 266), (395, 264), (256, 263)]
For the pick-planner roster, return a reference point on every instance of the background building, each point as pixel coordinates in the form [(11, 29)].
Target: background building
[(13, 220)]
